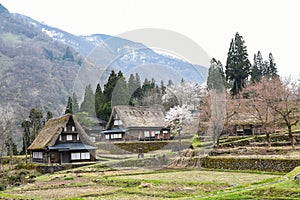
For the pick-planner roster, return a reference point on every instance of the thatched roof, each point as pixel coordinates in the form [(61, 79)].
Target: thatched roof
[(144, 116), (53, 128), (243, 118), (244, 114)]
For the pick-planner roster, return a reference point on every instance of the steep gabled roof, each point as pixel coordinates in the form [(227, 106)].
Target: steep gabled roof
[(53, 128), (244, 114), (144, 116)]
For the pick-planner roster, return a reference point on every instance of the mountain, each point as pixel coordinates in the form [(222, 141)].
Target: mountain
[(40, 66), (108, 52), (35, 70)]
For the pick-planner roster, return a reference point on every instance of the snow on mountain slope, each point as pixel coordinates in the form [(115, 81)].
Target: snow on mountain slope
[(108, 52)]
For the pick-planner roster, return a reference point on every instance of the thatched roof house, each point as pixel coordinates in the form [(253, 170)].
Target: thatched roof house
[(132, 123), (62, 140), (244, 120)]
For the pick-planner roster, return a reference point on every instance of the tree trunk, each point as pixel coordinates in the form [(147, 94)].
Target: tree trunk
[(218, 143), (291, 137), (11, 153), (179, 137), (1, 157), (25, 148), (268, 139)]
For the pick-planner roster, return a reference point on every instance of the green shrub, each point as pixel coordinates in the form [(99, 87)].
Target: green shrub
[(2, 187), (69, 178), (28, 166)]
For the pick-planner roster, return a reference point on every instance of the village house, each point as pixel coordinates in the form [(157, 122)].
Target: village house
[(244, 123), (136, 123), (62, 140)]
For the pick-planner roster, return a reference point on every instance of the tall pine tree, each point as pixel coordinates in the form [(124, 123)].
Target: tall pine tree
[(237, 65), (271, 69), (120, 95), (98, 100), (131, 84), (257, 68), (75, 105), (104, 109), (69, 108), (88, 104), (216, 76)]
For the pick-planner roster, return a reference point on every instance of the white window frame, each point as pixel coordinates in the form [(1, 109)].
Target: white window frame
[(37, 155), (65, 129), (60, 138), (117, 122), (85, 156), (152, 134), (77, 137), (157, 132), (116, 136), (81, 156), (73, 128), (107, 136), (165, 132), (69, 137), (75, 156), (146, 134)]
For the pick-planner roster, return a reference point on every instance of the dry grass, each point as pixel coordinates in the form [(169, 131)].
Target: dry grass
[(205, 176), (126, 184), (63, 192)]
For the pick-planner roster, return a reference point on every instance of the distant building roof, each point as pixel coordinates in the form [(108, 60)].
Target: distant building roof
[(144, 116)]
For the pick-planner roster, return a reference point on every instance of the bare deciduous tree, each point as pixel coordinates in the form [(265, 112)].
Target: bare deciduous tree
[(6, 122), (279, 96), (258, 100), (286, 104)]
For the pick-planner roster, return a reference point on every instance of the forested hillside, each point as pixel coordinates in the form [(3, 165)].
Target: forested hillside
[(35, 71)]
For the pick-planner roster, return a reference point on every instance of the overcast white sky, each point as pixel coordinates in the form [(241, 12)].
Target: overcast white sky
[(268, 25)]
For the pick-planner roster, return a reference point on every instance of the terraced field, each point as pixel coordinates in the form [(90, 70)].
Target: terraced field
[(99, 182)]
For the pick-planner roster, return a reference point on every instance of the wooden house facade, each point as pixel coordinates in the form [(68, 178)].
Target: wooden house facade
[(62, 140), (136, 123), (245, 123)]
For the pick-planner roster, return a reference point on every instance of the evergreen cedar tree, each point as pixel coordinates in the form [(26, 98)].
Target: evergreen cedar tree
[(88, 104), (237, 65), (119, 92), (69, 108), (216, 77), (261, 68), (32, 127)]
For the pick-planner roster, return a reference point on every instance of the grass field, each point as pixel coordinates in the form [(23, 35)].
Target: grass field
[(98, 182)]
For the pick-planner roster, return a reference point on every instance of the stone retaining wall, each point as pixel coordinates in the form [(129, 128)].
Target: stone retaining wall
[(260, 164)]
